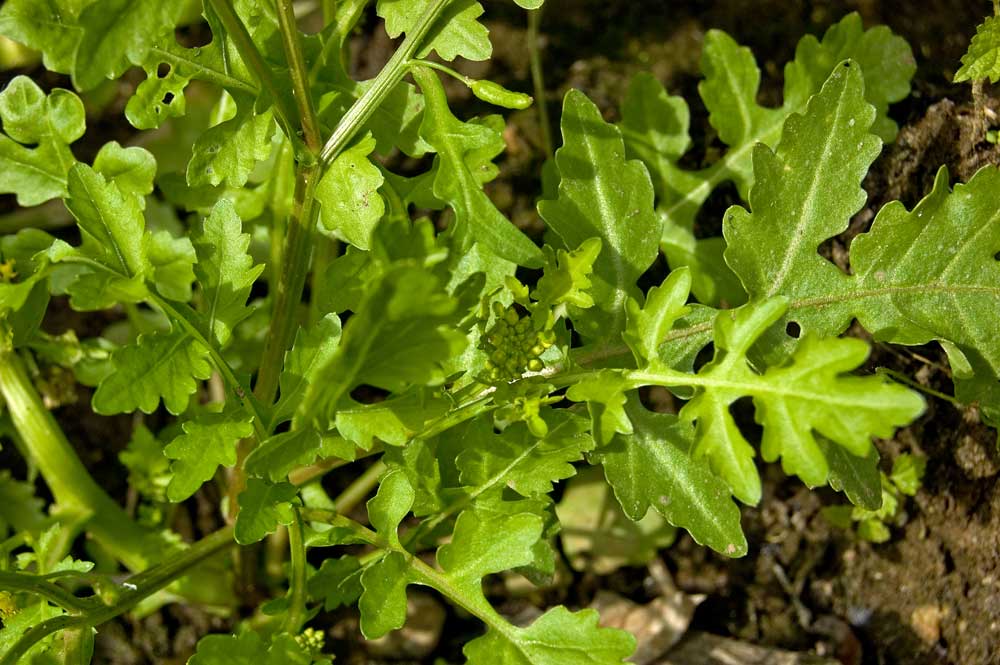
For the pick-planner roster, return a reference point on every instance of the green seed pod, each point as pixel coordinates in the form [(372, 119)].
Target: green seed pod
[(496, 94)]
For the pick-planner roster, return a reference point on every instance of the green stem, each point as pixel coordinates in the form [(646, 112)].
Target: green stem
[(384, 83), (538, 80), (65, 474), (38, 585), (417, 62), (255, 61), (134, 590), (916, 385), (326, 251), (359, 490), (298, 246), (475, 604), (284, 317), (299, 74), (297, 582), (333, 518), (291, 282)]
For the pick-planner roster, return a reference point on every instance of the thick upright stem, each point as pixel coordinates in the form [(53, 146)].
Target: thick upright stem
[(69, 480), (298, 246), (284, 315), (297, 578), (291, 282), (300, 75)]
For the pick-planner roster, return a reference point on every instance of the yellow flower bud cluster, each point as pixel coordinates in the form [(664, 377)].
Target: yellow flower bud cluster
[(513, 345), (311, 640)]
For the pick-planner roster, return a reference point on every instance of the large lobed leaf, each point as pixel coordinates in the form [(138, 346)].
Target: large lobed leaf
[(653, 468), (92, 41), (656, 129), (930, 273), (603, 195), (794, 402), (35, 158)]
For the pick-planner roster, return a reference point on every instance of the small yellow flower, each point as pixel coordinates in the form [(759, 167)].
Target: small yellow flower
[(7, 272)]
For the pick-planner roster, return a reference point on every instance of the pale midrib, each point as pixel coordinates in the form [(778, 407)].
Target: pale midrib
[(741, 101), (683, 333), (893, 290), (809, 204), (762, 388), (689, 489), (217, 291), (107, 227), (165, 358), (608, 219), (34, 168)]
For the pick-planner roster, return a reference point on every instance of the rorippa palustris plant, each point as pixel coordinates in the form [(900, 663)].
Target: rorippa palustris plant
[(268, 174)]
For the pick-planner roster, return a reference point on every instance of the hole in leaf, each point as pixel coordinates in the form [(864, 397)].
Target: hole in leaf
[(194, 35), (742, 411), (366, 394), (704, 356), (167, 98), (997, 256), (659, 399), (708, 221), (793, 329), (163, 70), (656, 273)]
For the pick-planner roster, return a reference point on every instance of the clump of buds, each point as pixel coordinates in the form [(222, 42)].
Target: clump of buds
[(311, 640), (514, 345)]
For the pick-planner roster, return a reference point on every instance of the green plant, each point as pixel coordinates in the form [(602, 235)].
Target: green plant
[(982, 62), (873, 525), (473, 367)]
